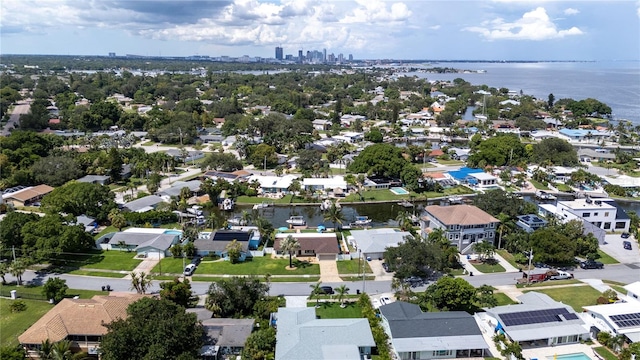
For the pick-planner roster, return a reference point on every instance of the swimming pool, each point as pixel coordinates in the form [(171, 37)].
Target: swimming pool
[(399, 191), (576, 356)]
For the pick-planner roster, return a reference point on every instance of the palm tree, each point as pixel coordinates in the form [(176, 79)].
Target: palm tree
[(17, 268), (62, 351), (265, 228), (290, 245), (315, 291), (334, 214), (4, 270), (404, 221), (140, 282), (46, 350), (342, 291), (245, 217)]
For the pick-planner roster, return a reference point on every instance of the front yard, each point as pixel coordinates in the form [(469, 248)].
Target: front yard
[(351, 267), (574, 296), (259, 266), (332, 310), (102, 260)]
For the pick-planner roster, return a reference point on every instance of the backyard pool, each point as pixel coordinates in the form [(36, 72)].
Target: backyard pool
[(399, 191), (576, 356)]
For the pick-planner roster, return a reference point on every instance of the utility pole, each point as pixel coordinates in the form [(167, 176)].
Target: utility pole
[(363, 276), (529, 269)]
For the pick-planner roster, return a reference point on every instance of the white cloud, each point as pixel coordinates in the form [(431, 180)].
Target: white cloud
[(534, 25), (434, 27), (571, 11), (375, 11), (638, 10)]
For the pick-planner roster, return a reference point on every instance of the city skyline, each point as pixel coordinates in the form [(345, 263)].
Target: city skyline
[(369, 29)]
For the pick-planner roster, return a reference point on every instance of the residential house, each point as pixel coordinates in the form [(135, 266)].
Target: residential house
[(274, 184), (95, 179), (321, 124), (300, 335), (217, 243), (531, 222), (584, 135), (589, 155), (185, 156), (417, 335), (463, 225), (144, 241), (372, 243), (622, 318), (483, 181), (143, 204), (602, 213), (79, 320), (633, 290), (224, 337), (380, 182), (27, 196), (537, 321), (324, 184), (238, 175), (89, 223), (323, 246), (350, 137), (347, 120), (176, 189)]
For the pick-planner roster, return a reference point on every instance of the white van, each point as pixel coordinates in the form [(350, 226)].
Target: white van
[(189, 269)]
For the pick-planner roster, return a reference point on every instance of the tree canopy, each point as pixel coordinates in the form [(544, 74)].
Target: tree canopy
[(450, 294), (499, 150), (556, 151), (235, 297), (153, 329), (78, 198)]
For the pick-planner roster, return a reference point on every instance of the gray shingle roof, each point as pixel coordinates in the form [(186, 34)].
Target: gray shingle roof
[(408, 321), (147, 201)]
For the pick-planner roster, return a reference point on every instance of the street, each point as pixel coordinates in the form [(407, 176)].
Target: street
[(20, 108)]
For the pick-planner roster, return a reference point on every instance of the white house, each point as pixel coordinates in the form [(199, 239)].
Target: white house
[(617, 319), (324, 184), (602, 213), (633, 290), (483, 180), (273, 184)]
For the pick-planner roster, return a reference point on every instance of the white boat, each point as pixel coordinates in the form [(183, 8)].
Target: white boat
[(455, 199), (227, 204), (405, 203), (195, 210), (263, 205), (542, 195), (297, 221), (237, 221), (362, 220)]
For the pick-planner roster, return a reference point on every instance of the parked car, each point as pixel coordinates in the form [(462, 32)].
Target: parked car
[(625, 235), (196, 260), (385, 300), (591, 264), (385, 266), (560, 275), (626, 245), (189, 269), (327, 290)]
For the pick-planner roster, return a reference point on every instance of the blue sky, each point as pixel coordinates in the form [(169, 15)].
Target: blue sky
[(368, 29)]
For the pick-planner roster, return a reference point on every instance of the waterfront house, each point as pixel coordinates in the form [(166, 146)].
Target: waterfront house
[(372, 243), (324, 184), (217, 242), (622, 318), (482, 180), (531, 222), (432, 335), (143, 204), (584, 135), (602, 213), (301, 335), (589, 155), (323, 246), (538, 321), (273, 184), (463, 225), (176, 189), (143, 241), (80, 321)]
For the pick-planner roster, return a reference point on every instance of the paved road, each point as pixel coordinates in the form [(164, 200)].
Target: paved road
[(21, 108)]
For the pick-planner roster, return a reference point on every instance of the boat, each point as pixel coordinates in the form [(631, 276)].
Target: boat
[(454, 199), (362, 221), (195, 210), (297, 221), (227, 204), (405, 203), (263, 205), (236, 221), (542, 195)]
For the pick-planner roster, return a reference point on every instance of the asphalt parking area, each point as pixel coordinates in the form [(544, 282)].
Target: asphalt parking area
[(615, 249)]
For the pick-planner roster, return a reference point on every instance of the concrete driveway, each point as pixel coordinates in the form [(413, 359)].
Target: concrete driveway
[(614, 248), (378, 270), (329, 271)]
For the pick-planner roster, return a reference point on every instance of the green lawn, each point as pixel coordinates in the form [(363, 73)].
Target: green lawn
[(105, 274), (509, 257), (351, 267), (258, 266), (104, 260), (574, 296), (562, 187), (259, 200), (551, 283), (37, 291), (14, 324), (449, 162), (107, 230), (332, 310), (538, 185), (606, 258), (503, 299), (605, 353), (488, 268), (387, 195)]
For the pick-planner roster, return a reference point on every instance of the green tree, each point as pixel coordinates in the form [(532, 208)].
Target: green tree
[(49, 236), (263, 155), (140, 282), (334, 214), (379, 159), (55, 288), (316, 290), (485, 296), (117, 219), (76, 198), (374, 135), (11, 228), (552, 247), (450, 294), (485, 249), (55, 170), (221, 161), (4, 270), (290, 245), (178, 292), (555, 151), (235, 297), (12, 353), (234, 251), (17, 269), (114, 165), (342, 291), (260, 345), (153, 329)]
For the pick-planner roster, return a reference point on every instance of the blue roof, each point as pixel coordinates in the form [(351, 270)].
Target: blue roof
[(577, 132), (463, 172)]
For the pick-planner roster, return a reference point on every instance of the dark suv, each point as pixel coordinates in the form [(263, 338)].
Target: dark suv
[(326, 290), (626, 245), (591, 264)]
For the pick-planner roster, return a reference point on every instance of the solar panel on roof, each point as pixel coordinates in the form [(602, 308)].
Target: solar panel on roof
[(626, 320), (536, 317)]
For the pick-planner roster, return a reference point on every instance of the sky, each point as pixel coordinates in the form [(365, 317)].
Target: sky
[(368, 29)]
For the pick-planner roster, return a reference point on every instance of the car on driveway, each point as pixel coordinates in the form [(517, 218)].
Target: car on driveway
[(626, 245), (591, 264), (189, 269), (385, 300), (196, 260), (385, 266), (625, 235)]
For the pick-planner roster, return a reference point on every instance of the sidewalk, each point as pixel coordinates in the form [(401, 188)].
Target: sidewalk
[(504, 263)]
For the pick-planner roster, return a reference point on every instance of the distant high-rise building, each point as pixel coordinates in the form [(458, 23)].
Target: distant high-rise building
[(112, 54), (324, 55), (300, 57), (350, 57), (340, 57), (331, 58), (279, 53)]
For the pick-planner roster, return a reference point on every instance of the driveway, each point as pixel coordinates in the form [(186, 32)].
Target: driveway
[(329, 271), (614, 248), (378, 270)]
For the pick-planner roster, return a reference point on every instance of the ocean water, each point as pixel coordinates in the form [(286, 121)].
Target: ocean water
[(615, 83)]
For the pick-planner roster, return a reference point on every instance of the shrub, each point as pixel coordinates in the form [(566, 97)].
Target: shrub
[(18, 306)]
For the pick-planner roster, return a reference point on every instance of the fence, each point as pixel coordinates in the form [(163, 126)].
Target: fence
[(29, 296)]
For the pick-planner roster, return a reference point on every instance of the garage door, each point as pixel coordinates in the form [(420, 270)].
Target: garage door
[(326, 257)]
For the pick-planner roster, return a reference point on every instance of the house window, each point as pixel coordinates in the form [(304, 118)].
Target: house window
[(450, 236), (607, 225), (492, 225), (490, 234), (457, 236), (606, 214), (595, 214), (586, 214), (620, 225), (480, 236), (458, 227)]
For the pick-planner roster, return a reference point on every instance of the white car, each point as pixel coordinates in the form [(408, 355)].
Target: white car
[(561, 275), (385, 300)]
